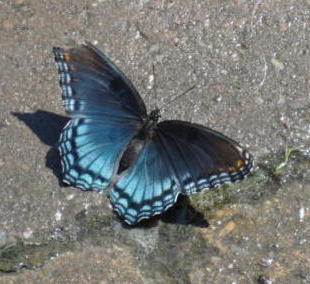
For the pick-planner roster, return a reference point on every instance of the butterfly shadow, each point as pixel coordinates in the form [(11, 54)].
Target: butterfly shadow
[(181, 213), (47, 126)]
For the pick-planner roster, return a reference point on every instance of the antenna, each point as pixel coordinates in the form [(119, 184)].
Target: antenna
[(154, 84), (173, 99), (177, 97)]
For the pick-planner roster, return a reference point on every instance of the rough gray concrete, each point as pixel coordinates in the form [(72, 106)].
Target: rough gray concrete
[(250, 62)]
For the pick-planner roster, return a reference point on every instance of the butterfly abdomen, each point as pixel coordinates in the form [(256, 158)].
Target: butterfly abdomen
[(130, 155), (136, 145)]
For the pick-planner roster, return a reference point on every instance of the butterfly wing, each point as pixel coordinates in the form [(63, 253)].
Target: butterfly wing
[(92, 85), (202, 158), (107, 113), (147, 188), (90, 151), (180, 158)]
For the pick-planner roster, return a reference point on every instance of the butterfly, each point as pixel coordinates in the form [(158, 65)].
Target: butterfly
[(112, 143)]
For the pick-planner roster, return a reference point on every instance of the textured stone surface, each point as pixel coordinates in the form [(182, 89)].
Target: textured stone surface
[(250, 62)]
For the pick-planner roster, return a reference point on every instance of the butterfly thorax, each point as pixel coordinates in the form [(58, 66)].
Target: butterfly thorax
[(154, 115)]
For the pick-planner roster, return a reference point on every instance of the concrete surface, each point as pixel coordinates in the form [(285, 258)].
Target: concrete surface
[(250, 63)]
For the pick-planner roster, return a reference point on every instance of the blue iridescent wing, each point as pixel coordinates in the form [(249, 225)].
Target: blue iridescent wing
[(90, 151), (107, 113), (147, 188), (181, 158), (92, 85)]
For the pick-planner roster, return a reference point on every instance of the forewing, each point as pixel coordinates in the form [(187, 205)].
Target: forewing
[(93, 86), (107, 112)]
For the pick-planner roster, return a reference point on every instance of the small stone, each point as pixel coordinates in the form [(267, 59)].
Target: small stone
[(70, 196), (281, 100), (8, 24), (229, 227), (150, 82), (259, 100), (28, 233), (215, 260), (3, 238), (58, 216), (267, 261), (218, 99), (278, 65)]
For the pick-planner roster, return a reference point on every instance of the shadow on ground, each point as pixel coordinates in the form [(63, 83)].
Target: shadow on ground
[(47, 126)]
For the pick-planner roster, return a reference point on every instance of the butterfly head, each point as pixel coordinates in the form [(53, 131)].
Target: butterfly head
[(155, 115)]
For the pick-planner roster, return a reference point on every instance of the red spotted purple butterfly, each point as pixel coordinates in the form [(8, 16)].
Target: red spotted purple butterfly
[(112, 143)]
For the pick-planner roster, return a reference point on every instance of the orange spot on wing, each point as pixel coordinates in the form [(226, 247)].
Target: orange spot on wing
[(231, 169), (239, 164), (66, 56)]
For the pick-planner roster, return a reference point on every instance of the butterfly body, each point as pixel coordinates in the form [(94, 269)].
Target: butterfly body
[(111, 143), (137, 143)]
